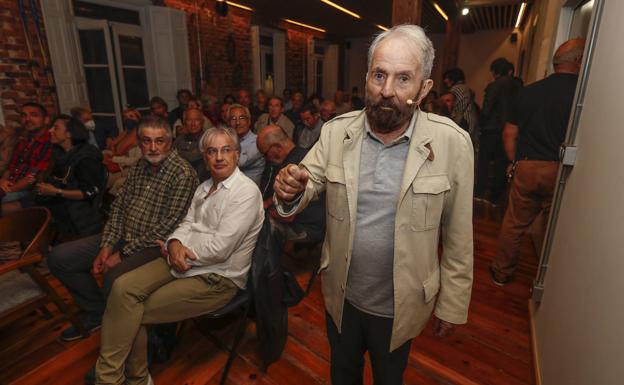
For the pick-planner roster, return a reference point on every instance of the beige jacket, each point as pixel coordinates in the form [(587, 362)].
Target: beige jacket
[(435, 198)]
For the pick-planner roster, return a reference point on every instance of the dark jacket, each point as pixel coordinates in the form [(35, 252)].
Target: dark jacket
[(267, 283), (312, 218), (497, 102), (103, 131), (80, 168)]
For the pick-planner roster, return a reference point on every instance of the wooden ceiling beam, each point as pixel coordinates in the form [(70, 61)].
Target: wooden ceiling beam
[(407, 11)]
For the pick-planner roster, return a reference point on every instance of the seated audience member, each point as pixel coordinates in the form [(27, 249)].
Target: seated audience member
[(159, 107), (328, 110), (229, 99), (210, 108), (98, 133), (187, 144), (193, 104), (286, 98), (8, 139), (223, 121), (448, 103), (127, 139), (316, 100), (295, 110), (183, 96), (310, 129), (73, 192), (150, 205), (280, 151), (276, 117), (125, 163), (244, 98), (251, 161), (427, 104), (205, 261), (342, 106), (260, 107), (356, 100), (30, 159)]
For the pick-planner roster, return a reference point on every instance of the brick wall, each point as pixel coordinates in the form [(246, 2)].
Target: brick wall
[(19, 74), (296, 49), (18, 71), (223, 74), (220, 75)]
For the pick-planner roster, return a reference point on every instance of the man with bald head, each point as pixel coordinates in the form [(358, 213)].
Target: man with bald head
[(328, 110), (279, 151), (187, 143), (395, 178), (532, 137)]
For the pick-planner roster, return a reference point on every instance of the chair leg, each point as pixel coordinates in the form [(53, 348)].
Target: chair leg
[(237, 339), (54, 297)]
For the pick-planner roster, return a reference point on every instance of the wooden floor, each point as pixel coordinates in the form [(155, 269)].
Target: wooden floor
[(493, 348)]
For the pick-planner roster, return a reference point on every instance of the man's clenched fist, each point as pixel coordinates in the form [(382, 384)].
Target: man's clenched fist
[(290, 181)]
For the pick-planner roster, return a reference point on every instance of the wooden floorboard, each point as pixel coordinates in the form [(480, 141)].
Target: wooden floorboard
[(493, 348)]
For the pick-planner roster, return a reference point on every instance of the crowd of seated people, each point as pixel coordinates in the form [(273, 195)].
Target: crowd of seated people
[(151, 173)]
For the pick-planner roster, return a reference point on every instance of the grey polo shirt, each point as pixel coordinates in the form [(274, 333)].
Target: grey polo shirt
[(370, 285)]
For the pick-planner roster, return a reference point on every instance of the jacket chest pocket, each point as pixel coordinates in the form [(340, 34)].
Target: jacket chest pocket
[(336, 189), (428, 195)]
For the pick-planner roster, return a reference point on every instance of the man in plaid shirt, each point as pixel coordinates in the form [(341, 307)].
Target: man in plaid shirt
[(30, 158), (151, 203)]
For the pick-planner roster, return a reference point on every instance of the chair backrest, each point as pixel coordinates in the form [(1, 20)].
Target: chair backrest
[(29, 226)]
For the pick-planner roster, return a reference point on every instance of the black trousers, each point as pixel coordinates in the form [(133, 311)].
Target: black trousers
[(491, 150), (363, 332), (71, 263)]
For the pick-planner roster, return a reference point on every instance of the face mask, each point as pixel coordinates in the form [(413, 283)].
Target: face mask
[(90, 125), (130, 124)]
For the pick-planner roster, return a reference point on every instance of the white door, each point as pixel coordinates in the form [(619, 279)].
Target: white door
[(113, 66), (98, 69), (130, 65)]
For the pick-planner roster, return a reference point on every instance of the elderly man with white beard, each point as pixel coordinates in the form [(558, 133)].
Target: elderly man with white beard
[(396, 179)]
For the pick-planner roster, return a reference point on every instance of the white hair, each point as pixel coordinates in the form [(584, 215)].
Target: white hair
[(210, 133), (415, 38)]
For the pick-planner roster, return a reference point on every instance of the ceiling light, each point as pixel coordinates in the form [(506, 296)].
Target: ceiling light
[(304, 25), (338, 7), (465, 11), (233, 4), (520, 14), (381, 27), (440, 11)]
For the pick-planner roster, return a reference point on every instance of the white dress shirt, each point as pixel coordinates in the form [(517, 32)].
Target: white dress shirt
[(221, 228)]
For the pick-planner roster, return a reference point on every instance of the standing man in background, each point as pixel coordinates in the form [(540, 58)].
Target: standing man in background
[(533, 136)]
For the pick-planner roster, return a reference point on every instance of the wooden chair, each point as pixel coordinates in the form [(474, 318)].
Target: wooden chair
[(23, 288)]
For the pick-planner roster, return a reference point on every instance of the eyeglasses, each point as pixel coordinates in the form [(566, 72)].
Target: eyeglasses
[(225, 150), (241, 118), (145, 141)]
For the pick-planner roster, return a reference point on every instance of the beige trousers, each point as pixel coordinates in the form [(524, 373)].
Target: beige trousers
[(150, 295)]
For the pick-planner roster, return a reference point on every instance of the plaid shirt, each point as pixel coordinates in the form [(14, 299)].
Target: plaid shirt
[(31, 157), (150, 204)]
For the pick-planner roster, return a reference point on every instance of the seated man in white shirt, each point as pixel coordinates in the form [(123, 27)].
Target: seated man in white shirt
[(251, 161), (205, 261)]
